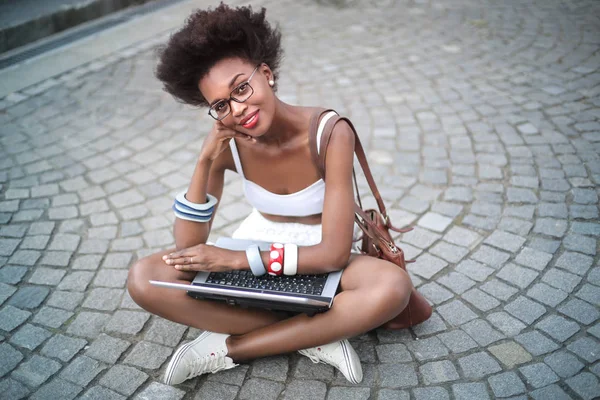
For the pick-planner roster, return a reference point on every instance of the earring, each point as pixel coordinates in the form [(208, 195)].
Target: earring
[(271, 82)]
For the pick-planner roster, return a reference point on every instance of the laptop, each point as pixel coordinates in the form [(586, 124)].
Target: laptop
[(308, 294)]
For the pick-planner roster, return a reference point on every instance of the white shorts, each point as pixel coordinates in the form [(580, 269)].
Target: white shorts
[(257, 227)]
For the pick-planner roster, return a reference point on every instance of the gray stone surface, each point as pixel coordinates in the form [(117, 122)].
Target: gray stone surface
[(123, 379), (487, 144), (35, 371)]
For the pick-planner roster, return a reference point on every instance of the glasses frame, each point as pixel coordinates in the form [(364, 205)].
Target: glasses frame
[(246, 82)]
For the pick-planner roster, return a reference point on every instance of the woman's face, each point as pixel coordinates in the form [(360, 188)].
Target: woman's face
[(252, 117)]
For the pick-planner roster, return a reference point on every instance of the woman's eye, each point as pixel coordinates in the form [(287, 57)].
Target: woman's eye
[(220, 107), (242, 88)]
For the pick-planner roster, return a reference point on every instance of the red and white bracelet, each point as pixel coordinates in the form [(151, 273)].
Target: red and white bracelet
[(276, 260)]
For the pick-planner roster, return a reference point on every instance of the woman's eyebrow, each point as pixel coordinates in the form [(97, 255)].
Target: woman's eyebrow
[(234, 79)]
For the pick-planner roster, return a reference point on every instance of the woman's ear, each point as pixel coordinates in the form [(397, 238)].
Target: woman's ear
[(266, 71)]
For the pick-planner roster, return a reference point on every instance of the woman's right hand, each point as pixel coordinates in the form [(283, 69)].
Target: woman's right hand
[(218, 140)]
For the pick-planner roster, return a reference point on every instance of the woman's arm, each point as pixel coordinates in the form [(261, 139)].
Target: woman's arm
[(208, 177)]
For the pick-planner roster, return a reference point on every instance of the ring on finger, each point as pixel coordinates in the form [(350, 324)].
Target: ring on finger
[(191, 258)]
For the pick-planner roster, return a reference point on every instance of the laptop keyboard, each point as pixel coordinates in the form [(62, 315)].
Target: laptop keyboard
[(303, 284)]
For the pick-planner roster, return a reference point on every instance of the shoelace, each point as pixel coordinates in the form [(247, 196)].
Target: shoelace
[(213, 362), (316, 356)]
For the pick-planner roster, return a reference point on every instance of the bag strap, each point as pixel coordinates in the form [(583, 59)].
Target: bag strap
[(320, 156)]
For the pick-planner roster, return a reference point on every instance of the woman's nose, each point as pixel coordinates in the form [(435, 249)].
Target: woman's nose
[(237, 109)]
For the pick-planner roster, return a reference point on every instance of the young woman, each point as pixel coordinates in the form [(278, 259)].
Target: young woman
[(227, 59)]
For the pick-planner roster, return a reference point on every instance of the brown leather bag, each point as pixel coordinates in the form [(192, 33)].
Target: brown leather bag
[(375, 224)]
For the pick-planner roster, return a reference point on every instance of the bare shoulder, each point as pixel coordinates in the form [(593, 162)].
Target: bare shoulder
[(342, 135)]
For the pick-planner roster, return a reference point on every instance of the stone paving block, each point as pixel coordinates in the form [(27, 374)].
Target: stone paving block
[(76, 281), (10, 356), (165, 332), (558, 328), (563, 363), (10, 275), (462, 237), (127, 322), (342, 393), (82, 370), (478, 365), (470, 391), (420, 237), (41, 228), (391, 394), (589, 293), (518, 276), (536, 343), (29, 336), (505, 241), (574, 262), (427, 266), (64, 242), (550, 227), (93, 246), (561, 279), (103, 299), (87, 262), (581, 311), (515, 225), (160, 391), (12, 317), (580, 243), (474, 270), (585, 212), (510, 354), (553, 392), (526, 310), (438, 372), (585, 385), (57, 389), (35, 242), (504, 322), (51, 317), (29, 297), (397, 375), (449, 252), (255, 388), (298, 389), (56, 258), (123, 379), (457, 341), (433, 325), (435, 222), (148, 355), (533, 258), (482, 332), (456, 313), (25, 257), (62, 347), (117, 260), (65, 300), (110, 278), (538, 375), (435, 293), (546, 294), (506, 384), (8, 246), (585, 228), (36, 370), (447, 209), (273, 368), (237, 375), (427, 349), (107, 348), (490, 256), (87, 324), (101, 393), (586, 348), (457, 282), (46, 276), (12, 389), (480, 300), (393, 353), (431, 393)]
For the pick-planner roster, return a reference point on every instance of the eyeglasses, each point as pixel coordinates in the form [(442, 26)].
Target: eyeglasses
[(239, 94)]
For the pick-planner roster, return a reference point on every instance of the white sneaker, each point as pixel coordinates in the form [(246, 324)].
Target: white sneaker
[(207, 353), (339, 354)]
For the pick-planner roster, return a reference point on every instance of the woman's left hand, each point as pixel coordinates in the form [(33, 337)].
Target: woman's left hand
[(202, 257)]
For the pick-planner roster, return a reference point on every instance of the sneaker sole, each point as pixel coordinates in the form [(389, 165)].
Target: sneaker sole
[(179, 354), (349, 364)]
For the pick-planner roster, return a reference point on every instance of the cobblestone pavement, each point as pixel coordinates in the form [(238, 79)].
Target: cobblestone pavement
[(482, 124)]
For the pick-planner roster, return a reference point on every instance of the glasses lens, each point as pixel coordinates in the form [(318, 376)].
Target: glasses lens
[(242, 92), (219, 110)]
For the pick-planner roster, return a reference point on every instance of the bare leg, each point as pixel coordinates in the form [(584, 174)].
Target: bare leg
[(373, 292), (175, 305)]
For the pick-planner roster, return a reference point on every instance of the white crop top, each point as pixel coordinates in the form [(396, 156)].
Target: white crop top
[(308, 201)]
